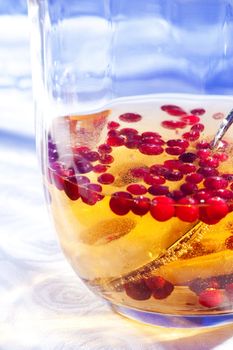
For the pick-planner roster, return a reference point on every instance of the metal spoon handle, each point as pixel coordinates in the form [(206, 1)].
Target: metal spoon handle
[(226, 123)]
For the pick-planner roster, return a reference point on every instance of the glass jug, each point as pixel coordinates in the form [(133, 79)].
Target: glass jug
[(128, 96)]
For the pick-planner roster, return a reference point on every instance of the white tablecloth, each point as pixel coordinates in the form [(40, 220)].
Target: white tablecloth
[(43, 304)]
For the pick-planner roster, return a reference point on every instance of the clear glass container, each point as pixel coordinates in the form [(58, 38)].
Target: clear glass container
[(128, 96)]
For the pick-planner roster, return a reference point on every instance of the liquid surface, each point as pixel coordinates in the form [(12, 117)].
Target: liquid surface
[(124, 184)]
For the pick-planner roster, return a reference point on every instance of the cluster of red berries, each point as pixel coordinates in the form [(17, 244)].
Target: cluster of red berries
[(205, 194), (144, 288)]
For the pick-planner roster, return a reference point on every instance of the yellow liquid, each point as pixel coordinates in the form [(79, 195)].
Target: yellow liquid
[(105, 249)]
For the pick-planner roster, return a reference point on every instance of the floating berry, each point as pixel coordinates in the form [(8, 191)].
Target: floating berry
[(153, 179), (222, 157), (115, 141), (202, 195), (173, 110), (83, 166), (113, 133), (190, 120), (162, 208), (158, 190), (99, 168), (130, 117), (104, 148), (106, 179), (71, 188), (198, 127), (194, 178), (215, 183), (139, 172), (94, 187), (223, 193), (150, 149), (172, 164), (188, 157), (133, 141), (176, 195), (140, 205), (137, 189), (171, 124), (198, 111), (208, 171), (173, 175), (228, 177), (198, 285), (229, 242), (189, 188), (113, 125), (178, 142), (128, 132), (160, 288), (158, 169), (174, 151), (203, 145), (209, 161), (187, 168), (153, 134), (106, 159), (211, 297), (81, 150), (187, 209), (137, 290), (92, 156), (89, 196), (82, 180), (214, 210), (203, 154), (155, 282), (192, 135), (56, 179), (121, 202)]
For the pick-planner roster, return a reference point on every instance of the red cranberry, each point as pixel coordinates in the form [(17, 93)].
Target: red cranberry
[(137, 189), (171, 124), (176, 195), (189, 188), (153, 134), (139, 172), (56, 179), (188, 157), (203, 145), (130, 117), (113, 133), (223, 193), (121, 202), (210, 161), (211, 297), (152, 140), (173, 175), (187, 168), (150, 149), (94, 187), (137, 290), (162, 208), (133, 141), (104, 148), (155, 282), (115, 141), (172, 164), (160, 288), (153, 180), (83, 166), (192, 135), (214, 210), (174, 151), (106, 179), (173, 110), (128, 132), (81, 150), (158, 190), (229, 242), (106, 159), (190, 119), (82, 180), (178, 142), (202, 195), (113, 125), (198, 111), (198, 127), (92, 156), (140, 205), (208, 171), (228, 177), (203, 154), (215, 183), (194, 178), (222, 157), (99, 168), (158, 169), (187, 209), (71, 188), (89, 197)]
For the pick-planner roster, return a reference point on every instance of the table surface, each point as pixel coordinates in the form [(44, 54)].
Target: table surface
[(43, 304)]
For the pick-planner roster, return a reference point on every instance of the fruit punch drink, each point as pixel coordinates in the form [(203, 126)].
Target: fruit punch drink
[(127, 182)]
